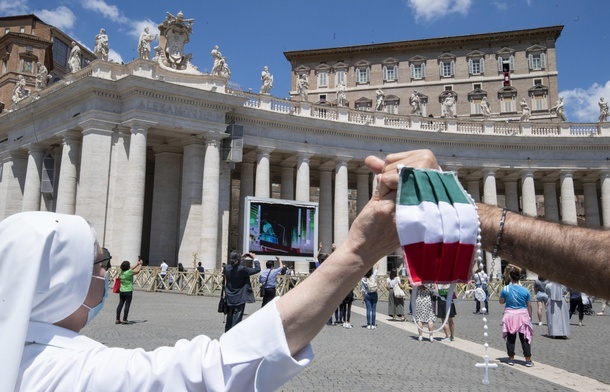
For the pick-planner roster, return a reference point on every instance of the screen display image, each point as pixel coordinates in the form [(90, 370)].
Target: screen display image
[(281, 227)]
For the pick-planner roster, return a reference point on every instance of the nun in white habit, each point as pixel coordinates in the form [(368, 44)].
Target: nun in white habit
[(52, 283)]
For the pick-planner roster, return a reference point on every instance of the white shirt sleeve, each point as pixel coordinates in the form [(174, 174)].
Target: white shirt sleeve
[(252, 356)]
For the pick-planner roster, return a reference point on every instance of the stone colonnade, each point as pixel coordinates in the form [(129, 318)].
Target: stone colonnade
[(101, 175)]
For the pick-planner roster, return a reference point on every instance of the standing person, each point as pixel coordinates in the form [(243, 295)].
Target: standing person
[(162, 274), (345, 310), (480, 281), (126, 289), (238, 288), (576, 303), (181, 271), (396, 306), (541, 296), (441, 312), (201, 272), (268, 279), (368, 286), (517, 316), (557, 315), (424, 311)]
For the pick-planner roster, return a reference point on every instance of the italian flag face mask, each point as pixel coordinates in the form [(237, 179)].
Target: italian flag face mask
[(438, 229)]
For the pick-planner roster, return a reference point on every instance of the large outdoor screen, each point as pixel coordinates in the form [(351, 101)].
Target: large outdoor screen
[(275, 227)]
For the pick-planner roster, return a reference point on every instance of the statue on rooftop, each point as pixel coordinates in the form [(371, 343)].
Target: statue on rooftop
[(485, 107), (415, 103), (144, 44), (42, 75), (448, 104), (302, 87), (380, 99), (558, 109), (101, 45), (603, 110), (267, 79), (19, 92), (341, 96), (75, 58), (525, 111), (217, 57)]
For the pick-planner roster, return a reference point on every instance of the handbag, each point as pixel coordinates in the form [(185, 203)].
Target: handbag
[(262, 287), (222, 304), (398, 292), (117, 285)]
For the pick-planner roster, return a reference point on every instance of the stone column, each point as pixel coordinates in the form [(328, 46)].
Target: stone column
[(263, 182), (91, 195), (591, 205), (287, 190), (208, 248), (568, 199), (302, 190), (165, 213), (605, 185), (133, 214), (362, 188), (490, 195), (14, 167), (341, 226), (31, 189), (473, 189), (246, 188), (68, 173), (511, 195), (528, 193), (551, 211), (119, 162), (224, 211), (325, 220), (190, 200)]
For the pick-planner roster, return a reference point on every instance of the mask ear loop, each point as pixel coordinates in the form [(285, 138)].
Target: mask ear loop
[(448, 303)]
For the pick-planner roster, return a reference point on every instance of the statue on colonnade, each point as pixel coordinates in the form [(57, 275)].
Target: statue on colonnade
[(558, 108), (144, 44), (101, 48), (267, 79), (603, 110)]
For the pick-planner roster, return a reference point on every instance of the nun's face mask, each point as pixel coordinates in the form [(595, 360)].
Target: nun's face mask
[(96, 309)]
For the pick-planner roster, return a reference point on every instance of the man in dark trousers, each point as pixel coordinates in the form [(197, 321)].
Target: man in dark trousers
[(268, 279), (238, 289)]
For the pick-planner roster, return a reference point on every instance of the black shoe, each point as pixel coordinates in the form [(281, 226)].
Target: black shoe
[(477, 312)]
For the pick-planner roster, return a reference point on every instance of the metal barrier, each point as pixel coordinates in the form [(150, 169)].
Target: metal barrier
[(190, 282)]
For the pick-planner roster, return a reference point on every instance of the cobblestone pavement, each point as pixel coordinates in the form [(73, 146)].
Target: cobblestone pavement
[(390, 357)]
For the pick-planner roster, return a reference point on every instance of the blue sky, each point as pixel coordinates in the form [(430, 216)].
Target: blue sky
[(252, 34)]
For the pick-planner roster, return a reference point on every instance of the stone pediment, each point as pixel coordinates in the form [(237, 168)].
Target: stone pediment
[(446, 57), (362, 64), (475, 54), (417, 59), (389, 61), (302, 69), (535, 49), (322, 68), (505, 51), (508, 91), (340, 66), (538, 90), (364, 101), (477, 94)]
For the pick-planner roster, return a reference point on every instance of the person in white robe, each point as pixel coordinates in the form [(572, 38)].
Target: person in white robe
[(557, 315)]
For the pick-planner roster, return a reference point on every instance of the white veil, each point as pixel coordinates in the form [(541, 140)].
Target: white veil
[(46, 261)]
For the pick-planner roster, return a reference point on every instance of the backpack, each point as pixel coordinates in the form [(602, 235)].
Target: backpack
[(371, 284)]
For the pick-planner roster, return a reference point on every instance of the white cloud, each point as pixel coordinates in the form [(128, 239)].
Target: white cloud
[(12, 7), (429, 10), (61, 17), (581, 105), (115, 56), (108, 11), (139, 25), (501, 6)]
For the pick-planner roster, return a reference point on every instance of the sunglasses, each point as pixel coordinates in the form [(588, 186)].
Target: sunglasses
[(106, 260)]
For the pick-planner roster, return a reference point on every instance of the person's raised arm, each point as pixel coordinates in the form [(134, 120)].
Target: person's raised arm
[(574, 256), (305, 309)]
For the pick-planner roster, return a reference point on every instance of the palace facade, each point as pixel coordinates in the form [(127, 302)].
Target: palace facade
[(160, 161)]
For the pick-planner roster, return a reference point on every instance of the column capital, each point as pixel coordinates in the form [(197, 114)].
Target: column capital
[(342, 160), (97, 126), (33, 148), (264, 151), (70, 136), (528, 171), (304, 156), (565, 173), (489, 171), (136, 124)]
